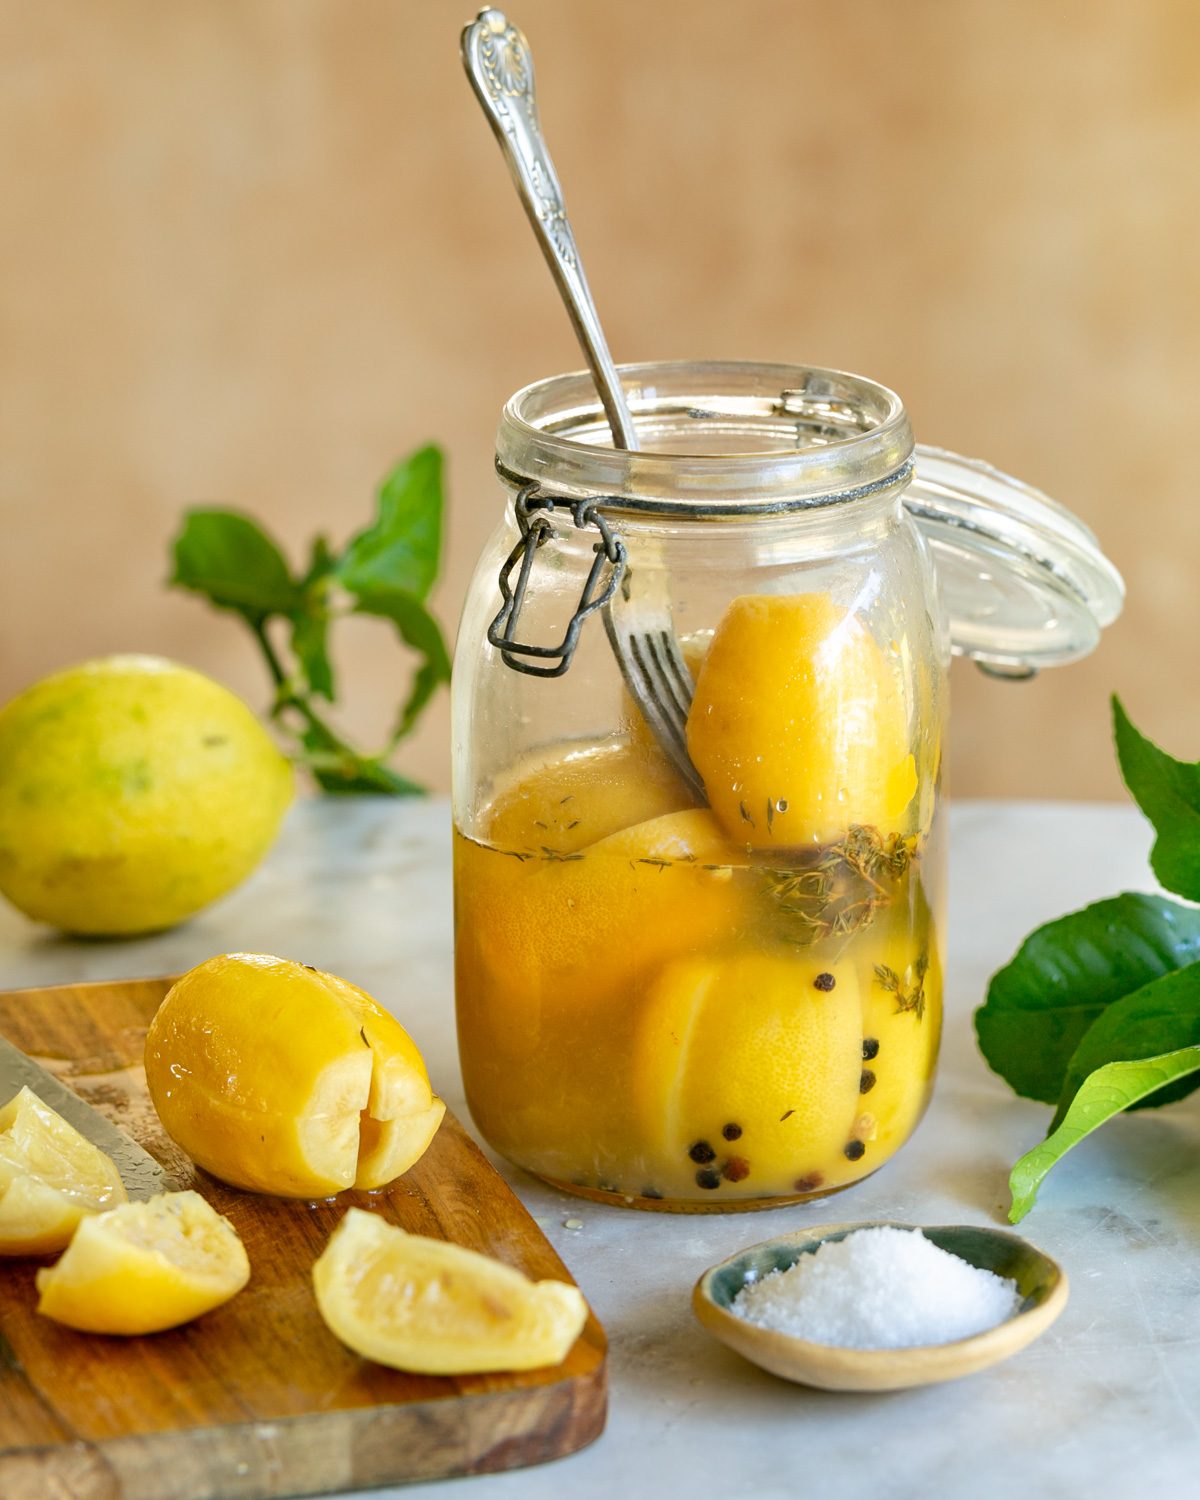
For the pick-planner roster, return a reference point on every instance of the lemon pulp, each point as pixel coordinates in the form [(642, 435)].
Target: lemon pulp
[(50, 1178), (432, 1308), (144, 1267)]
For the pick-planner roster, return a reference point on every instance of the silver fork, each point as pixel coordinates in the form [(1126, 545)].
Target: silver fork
[(638, 618)]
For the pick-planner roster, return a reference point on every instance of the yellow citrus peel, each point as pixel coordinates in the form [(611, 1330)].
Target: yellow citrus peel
[(51, 1177), (281, 1079), (432, 1308), (144, 1267), (799, 726)]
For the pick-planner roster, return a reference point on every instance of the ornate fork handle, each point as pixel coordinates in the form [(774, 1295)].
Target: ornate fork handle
[(500, 66)]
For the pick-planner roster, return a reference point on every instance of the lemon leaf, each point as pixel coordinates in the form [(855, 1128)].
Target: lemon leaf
[(229, 559), (338, 769), (1168, 792), (386, 570), (310, 623), (417, 628), (310, 643), (1067, 973), (1112, 1088), (1161, 1017), (399, 551)]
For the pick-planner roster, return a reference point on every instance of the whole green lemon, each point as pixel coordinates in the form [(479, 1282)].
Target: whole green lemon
[(133, 791)]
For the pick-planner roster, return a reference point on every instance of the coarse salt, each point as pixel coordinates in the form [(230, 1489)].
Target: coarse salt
[(879, 1288)]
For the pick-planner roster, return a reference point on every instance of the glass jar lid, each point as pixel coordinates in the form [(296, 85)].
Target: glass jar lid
[(1022, 579)]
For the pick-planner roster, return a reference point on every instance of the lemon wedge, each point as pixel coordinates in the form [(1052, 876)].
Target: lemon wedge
[(144, 1267), (431, 1308), (799, 724), (767, 1045), (50, 1178), (564, 800), (281, 1079)]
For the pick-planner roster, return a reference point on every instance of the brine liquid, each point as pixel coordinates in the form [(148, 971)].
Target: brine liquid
[(650, 1013)]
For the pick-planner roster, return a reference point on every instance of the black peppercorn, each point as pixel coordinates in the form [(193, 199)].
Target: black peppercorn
[(866, 1081), (702, 1152), (707, 1178), (732, 1132), (854, 1150), (824, 982), (870, 1049)]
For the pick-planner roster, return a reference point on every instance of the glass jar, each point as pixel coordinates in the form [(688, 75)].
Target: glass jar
[(722, 992)]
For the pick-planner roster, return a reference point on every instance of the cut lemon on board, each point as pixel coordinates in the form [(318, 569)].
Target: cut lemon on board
[(50, 1178), (431, 1308), (281, 1079), (144, 1267)]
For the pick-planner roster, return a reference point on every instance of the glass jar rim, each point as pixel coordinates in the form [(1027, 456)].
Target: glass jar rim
[(788, 437)]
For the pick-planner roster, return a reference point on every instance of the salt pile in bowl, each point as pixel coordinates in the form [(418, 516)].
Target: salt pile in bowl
[(880, 1288)]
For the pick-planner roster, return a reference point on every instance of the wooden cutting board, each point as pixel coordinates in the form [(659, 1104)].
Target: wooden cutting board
[(258, 1398)]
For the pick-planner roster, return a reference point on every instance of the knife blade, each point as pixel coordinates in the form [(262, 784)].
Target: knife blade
[(141, 1174)]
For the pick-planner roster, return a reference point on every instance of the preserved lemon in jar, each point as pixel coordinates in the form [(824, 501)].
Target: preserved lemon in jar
[(688, 1004), (699, 939)]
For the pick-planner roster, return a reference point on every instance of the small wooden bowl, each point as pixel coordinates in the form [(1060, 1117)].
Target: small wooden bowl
[(1041, 1282)]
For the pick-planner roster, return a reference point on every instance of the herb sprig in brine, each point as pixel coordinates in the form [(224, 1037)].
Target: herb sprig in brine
[(845, 886), (906, 1000)]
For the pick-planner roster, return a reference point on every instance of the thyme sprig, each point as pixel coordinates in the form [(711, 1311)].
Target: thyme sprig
[(845, 886), (912, 1000)]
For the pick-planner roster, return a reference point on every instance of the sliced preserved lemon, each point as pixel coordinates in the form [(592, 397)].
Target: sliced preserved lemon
[(566, 797), (281, 1079), (537, 927), (746, 1074), (50, 1178), (799, 726), (144, 1267), (553, 955), (431, 1308)]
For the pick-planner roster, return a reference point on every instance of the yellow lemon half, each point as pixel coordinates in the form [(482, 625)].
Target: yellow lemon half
[(432, 1308), (563, 798), (133, 791), (798, 725), (552, 955), (144, 1267), (746, 1072), (276, 1077), (50, 1178), (537, 929)]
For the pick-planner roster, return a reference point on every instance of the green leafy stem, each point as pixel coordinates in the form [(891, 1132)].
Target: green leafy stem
[(1105, 1093), (1099, 1011), (385, 571)]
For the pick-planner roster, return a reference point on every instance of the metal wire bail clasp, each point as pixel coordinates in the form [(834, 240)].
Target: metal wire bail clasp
[(533, 513)]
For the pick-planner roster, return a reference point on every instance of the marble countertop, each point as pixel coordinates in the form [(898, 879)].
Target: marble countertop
[(1107, 1401)]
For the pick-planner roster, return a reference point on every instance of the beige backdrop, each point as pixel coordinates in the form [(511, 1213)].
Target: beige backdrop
[(253, 250)]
